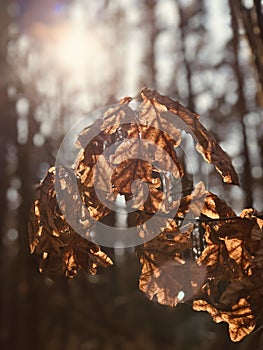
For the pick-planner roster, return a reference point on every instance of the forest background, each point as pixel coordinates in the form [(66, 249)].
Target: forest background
[(60, 60)]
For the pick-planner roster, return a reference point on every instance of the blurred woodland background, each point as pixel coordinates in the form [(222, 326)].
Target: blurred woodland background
[(60, 60)]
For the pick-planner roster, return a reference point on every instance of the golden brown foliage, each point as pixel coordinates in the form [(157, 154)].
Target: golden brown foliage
[(62, 250), (203, 253)]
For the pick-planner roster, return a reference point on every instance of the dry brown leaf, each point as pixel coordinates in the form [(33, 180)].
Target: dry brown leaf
[(206, 143), (216, 207), (129, 171), (194, 202), (167, 274), (225, 260), (160, 139), (239, 318), (233, 289), (168, 266), (62, 250)]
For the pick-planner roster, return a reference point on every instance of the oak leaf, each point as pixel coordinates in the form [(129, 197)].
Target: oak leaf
[(62, 250), (206, 144), (239, 318), (167, 274), (168, 267)]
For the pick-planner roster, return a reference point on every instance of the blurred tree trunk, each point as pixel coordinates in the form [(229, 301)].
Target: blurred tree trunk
[(8, 115), (253, 25), (18, 298), (259, 10), (152, 32), (241, 104), (183, 30), (8, 136), (26, 299)]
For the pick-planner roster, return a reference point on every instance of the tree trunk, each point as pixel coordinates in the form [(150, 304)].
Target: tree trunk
[(247, 176)]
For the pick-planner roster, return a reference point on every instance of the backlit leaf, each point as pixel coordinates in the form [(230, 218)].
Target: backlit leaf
[(206, 143), (240, 318), (62, 250)]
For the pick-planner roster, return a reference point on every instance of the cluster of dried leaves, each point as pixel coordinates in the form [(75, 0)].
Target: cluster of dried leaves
[(62, 250), (233, 289), (225, 280), (213, 259)]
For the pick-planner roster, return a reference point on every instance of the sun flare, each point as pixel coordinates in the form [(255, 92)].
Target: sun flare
[(74, 50)]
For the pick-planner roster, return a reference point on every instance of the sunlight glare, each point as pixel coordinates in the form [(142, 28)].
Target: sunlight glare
[(71, 51), (76, 48), (181, 295)]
